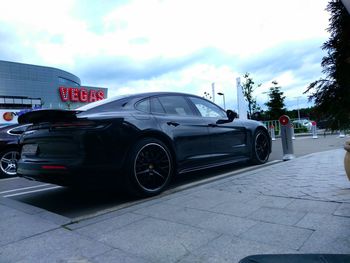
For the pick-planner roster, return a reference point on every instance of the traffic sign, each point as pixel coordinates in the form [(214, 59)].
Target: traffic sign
[(284, 120)]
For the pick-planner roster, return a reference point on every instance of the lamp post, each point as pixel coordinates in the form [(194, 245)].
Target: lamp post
[(223, 97), (298, 109), (298, 106)]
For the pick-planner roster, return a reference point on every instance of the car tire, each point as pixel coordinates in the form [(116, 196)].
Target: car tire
[(261, 147), (149, 168), (8, 162)]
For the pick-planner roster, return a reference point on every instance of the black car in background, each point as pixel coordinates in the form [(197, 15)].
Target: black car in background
[(140, 140), (9, 148)]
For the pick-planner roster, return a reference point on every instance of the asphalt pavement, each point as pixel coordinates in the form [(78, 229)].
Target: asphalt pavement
[(298, 206)]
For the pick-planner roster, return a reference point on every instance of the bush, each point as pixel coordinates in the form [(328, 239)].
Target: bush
[(301, 130)]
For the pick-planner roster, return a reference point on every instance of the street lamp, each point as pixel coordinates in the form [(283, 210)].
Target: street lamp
[(298, 106), (223, 97)]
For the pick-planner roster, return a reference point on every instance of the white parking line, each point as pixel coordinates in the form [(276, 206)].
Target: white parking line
[(24, 188), (8, 179), (34, 191)]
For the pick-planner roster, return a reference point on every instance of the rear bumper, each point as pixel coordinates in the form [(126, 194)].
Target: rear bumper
[(66, 173)]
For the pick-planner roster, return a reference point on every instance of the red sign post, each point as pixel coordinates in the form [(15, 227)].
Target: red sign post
[(314, 130), (284, 120), (286, 138)]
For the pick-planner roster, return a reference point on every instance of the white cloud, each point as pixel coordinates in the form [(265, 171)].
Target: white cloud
[(50, 33)]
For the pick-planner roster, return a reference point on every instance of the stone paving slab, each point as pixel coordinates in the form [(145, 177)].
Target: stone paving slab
[(335, 240), (313, 206), (230, 249), (234, 208), (18, 225), (182, 215), (59, 245), (278, 235), (277, 216), (343, 210), (154, 239), (115, 256), (107, 226), (226, 224)]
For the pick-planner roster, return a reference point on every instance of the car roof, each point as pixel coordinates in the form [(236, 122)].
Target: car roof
[(149, 94)]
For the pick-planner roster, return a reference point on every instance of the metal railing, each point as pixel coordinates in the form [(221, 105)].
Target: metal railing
[(298, 128)]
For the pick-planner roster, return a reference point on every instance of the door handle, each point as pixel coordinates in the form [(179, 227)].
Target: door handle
[(171, 123), (212, 125)]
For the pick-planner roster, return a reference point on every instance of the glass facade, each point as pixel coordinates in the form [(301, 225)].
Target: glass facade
[(67, 82), (23, 81)]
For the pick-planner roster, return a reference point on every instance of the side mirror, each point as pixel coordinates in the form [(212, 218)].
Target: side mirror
[(231, 115)]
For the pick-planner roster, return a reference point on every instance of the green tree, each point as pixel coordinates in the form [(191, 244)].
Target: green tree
[(248, 89), (332, 93), (276, 103)]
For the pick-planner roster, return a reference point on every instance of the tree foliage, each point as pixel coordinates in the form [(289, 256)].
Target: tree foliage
[(275, 104), (248, 89), (332, 93)]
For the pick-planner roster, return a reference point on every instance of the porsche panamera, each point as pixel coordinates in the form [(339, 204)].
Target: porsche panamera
[(137, 141)]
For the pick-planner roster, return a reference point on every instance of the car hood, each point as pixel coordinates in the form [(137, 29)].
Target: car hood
[(47, 116)]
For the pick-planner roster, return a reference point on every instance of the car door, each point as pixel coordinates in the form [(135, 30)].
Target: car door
[(188, 131), (228, 140)]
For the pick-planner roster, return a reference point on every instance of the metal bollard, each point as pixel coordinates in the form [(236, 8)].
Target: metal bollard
[(286, 138), (314, 130), (292, 127), (272, 132)]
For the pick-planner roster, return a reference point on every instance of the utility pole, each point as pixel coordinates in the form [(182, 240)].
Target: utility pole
[(223, 97), (298, 107), (213, 90)]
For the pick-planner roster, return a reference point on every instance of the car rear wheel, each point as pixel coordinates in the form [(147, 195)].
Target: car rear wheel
[(8, 162), (261, 147), (149, 167)]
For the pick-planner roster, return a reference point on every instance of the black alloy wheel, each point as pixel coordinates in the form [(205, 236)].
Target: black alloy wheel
[(8, 162), (261, 147), (151, 169)]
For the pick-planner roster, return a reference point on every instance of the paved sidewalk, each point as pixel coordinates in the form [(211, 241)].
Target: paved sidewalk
[(299, 206)]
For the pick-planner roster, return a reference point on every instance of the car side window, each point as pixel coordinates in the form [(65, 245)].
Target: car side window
[(156, 107), (176, 105), (143, 105), (207, 109)]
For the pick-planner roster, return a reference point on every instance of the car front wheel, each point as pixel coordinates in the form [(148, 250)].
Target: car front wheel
[(149, 167), (261, 147)]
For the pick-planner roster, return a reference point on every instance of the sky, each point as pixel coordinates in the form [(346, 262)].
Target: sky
[(172, 45)]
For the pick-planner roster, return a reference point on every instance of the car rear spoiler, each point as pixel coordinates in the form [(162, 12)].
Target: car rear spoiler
[(49, 115)]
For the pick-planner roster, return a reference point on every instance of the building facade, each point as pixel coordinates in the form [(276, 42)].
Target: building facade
[(24, 87)]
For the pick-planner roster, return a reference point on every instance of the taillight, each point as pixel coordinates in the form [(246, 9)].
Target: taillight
[(78, 124), (53, 167)]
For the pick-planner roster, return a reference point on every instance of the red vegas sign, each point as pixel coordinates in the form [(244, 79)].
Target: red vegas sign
[(80, 94)]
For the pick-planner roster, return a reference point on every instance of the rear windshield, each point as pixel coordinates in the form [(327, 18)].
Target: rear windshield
[(109, 104)]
